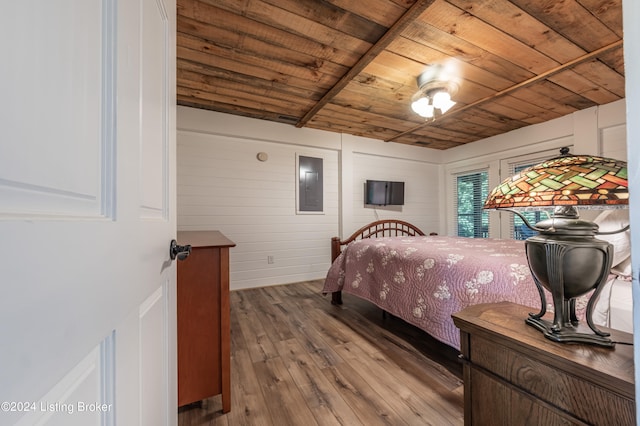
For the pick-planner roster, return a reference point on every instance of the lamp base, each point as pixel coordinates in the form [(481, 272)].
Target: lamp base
[(567, 334), (568, 261)]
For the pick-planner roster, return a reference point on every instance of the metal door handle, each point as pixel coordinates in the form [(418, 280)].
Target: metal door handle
[(181, 252)]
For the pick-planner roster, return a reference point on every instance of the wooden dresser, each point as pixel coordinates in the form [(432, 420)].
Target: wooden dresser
[(203, 318), (513, 375)]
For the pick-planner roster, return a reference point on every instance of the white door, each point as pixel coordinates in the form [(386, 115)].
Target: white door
[(87, 208)]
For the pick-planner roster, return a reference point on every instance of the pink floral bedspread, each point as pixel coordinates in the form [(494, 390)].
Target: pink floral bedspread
[(424, 280)]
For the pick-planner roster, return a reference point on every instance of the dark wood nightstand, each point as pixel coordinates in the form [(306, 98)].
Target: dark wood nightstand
[(513, 375)]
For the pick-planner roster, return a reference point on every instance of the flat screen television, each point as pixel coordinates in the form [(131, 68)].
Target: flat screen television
[(384, 193)]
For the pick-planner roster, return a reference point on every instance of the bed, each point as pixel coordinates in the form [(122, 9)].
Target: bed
[(424, 279)]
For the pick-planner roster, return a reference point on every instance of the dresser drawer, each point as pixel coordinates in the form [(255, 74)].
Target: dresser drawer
[(514, 375), (498, 403), (587, 401)]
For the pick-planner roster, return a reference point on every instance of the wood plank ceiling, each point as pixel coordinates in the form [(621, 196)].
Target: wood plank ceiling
[(350, 66)]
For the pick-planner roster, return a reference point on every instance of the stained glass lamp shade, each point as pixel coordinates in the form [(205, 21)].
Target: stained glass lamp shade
[(565, 257), (573, 180)]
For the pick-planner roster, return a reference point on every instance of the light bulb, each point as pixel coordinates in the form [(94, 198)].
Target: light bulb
[(422, 107), (442, 101)]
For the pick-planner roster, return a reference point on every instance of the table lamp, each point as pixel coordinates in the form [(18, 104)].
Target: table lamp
[(565, 257)]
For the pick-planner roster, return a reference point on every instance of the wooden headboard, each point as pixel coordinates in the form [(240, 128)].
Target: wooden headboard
[(380, 228)]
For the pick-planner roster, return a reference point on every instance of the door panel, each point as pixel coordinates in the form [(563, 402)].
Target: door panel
[(153, 337), (154, 114), (79, 398), (57, 109)]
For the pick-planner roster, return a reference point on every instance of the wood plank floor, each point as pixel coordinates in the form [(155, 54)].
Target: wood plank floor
[(298, 360)]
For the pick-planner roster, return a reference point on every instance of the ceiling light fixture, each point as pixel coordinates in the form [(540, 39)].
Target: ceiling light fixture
[(434, 94)]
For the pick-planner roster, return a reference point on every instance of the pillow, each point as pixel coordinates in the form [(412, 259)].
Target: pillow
[(623, 269), (600, 314), (613, 220)]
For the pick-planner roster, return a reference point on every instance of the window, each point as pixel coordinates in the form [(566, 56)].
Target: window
[(471, 191), (511, 226), (519, 230)]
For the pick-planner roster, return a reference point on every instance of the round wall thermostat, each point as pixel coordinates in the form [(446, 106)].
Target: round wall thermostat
[(263, 156)]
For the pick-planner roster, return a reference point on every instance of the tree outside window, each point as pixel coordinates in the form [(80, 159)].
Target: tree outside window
[(471, 192)]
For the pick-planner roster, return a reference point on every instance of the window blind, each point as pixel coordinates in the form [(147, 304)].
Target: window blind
[(471, 191)]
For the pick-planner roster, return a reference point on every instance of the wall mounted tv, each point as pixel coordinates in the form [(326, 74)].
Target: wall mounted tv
[(384, 193)]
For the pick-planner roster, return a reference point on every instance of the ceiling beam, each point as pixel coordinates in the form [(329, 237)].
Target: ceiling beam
[(511, 89), (392, 33)]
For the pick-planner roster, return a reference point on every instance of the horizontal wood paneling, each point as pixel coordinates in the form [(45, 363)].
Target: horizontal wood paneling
[(614, 142), (222, 186), (421, 191), (347, 67)]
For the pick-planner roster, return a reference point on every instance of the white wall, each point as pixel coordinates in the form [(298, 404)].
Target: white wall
[(222, 185), (422, 186), (419, 168)]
